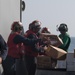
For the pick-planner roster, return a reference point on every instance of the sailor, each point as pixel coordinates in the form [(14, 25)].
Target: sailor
[(3, 53), (32, 52), (63, 29)]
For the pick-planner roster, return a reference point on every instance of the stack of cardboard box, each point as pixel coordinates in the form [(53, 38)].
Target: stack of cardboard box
[(45, 62), (53, 53)]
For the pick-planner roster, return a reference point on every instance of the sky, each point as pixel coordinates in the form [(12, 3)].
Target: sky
[(51, 13)]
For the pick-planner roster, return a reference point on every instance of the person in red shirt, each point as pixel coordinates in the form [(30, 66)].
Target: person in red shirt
[(31, 52)]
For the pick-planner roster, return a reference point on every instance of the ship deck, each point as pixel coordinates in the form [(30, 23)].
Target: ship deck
[(54, 72)]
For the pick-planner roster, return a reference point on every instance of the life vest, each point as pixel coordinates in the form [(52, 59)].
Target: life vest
[(14, 50), (29, 50)]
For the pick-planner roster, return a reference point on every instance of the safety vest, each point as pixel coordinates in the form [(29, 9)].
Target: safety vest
[(14, 50), (29, 50)]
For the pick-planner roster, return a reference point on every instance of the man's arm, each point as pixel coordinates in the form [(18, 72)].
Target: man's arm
[(26, 41)]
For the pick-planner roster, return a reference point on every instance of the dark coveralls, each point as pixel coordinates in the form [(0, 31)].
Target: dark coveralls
[(3, 50)]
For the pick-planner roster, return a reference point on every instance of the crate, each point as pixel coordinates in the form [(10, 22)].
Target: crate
[(45, 62)]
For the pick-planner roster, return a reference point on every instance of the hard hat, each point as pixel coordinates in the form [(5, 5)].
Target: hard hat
[(63, 27), (35, 24), (44, 30), (16, 26)]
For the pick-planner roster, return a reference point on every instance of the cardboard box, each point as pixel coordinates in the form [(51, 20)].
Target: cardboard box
[(54, 39), (56, 53), (43, 62)]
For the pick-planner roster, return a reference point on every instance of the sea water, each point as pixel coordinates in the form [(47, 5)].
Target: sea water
[(72, 45)]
